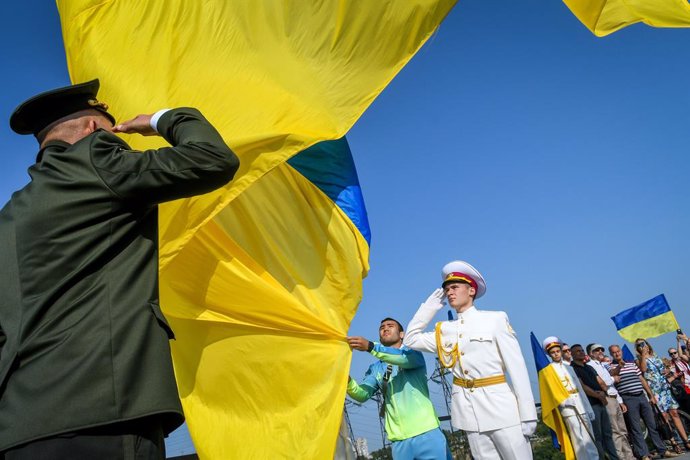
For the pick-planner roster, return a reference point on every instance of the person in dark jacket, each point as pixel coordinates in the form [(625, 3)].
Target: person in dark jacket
[(85, 365)]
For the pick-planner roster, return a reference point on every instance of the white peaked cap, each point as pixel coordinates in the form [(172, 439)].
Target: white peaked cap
[(459, 270), (551, 342)]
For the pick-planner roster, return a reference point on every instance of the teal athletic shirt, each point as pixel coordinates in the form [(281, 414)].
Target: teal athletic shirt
[(409, 411)]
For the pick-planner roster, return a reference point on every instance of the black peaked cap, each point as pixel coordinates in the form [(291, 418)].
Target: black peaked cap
[(34, 114)]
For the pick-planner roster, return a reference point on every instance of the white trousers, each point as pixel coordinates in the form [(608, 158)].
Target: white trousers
[(504, 444), (583, 444)]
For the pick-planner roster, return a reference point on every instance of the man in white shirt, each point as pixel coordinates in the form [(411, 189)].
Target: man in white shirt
[(479, 347), (566, 354), (615, 406)]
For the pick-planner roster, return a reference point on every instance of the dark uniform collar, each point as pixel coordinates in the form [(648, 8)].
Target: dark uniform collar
[(54, 145)]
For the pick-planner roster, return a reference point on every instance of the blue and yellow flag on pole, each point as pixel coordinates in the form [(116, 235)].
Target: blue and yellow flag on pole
[(603, 17), (259, 279), (552, 393), (628, 356), (649, 319)]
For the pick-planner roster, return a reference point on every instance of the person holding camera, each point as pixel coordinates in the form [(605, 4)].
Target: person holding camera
[(680, 382), (654, 372)]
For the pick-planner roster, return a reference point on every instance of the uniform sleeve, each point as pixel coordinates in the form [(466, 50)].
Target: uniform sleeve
[(198, 162), (402, 357), (415, 337), (3, 339), (365, 390), (514, 362)]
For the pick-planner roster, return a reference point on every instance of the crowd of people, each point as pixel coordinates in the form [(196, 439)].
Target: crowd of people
[(618, 395), (609, 397), (85, 228)]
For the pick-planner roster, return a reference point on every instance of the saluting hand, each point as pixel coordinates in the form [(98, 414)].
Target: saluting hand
[(358, 343), (435, 300), (141, 124)]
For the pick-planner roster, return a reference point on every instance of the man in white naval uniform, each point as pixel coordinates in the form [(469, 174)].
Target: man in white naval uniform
[(576, 411), (479, 347)]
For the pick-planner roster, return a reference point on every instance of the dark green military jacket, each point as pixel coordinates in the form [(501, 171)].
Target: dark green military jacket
[(83, 341)]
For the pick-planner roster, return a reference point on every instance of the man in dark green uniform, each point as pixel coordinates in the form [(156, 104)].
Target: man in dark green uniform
[(85, 366)]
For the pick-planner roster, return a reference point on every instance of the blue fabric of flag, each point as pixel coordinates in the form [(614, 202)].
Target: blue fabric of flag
[(627, 354), (649, 309), (329, 166), (540, 358)]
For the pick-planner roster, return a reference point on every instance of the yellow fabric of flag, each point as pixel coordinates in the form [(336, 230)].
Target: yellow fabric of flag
[(259, 279), (604, 17), (552, 394)]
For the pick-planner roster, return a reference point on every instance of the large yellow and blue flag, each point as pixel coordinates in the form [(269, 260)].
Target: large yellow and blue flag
[(649, 319), (259, 279), (552, 393), (604, 17)]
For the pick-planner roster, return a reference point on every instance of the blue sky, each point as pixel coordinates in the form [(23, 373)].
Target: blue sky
[(554, 161)]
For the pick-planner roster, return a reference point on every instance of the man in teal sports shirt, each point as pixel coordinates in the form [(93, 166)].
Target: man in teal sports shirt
[(400, 375)]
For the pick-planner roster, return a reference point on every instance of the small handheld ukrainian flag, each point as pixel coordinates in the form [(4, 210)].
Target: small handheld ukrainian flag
[(628, 356), (649, 319)]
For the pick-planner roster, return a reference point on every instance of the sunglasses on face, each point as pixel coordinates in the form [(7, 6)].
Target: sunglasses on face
[(672, 353)]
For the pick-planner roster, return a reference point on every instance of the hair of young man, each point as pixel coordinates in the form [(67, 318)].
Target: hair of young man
[(400, 328)]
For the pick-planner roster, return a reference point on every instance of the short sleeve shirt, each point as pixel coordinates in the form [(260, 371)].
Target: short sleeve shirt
[(588, 376)]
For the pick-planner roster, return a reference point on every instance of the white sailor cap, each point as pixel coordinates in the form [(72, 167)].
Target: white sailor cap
[(551, 342), (462, 272)]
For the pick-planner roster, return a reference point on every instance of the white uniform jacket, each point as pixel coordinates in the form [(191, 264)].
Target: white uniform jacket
[(577, 403), (487, 346)]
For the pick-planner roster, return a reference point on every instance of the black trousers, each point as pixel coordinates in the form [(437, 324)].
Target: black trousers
[(135, 440)]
